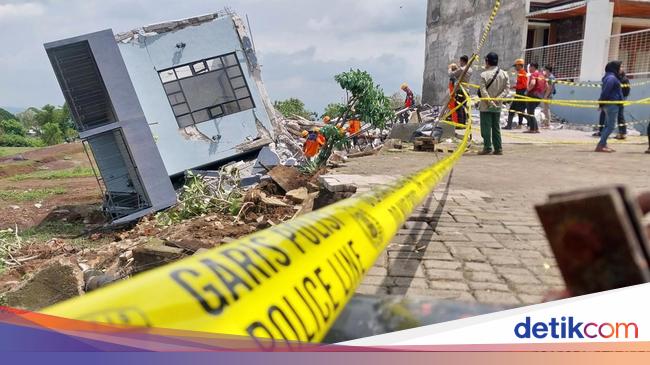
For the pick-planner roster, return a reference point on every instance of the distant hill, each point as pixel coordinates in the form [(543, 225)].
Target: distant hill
[(14, 109), (5, 115)]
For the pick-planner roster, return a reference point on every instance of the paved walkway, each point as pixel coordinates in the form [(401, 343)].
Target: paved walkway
[(462, 245), (477, 237)]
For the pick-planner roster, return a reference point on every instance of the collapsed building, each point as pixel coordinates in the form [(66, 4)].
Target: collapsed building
[(156, 101)]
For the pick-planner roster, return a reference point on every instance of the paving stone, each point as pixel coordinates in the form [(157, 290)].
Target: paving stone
[(479, 237), (465, 219), (478, 266), (551, 280), (530, 237), (512, 270), (530, 299), (491, 228), (480, 276), (411, 282), (371, 290), (530, 289), (503, 260), (488, 286), (522, 230), (448, 285), (449, 237), (528, 254), (377, 271), (521, 279), (377, 280), (439, 256), (408, 268), (440, 264), (440, 294), (439, 274), (495, 297), (467, 254)]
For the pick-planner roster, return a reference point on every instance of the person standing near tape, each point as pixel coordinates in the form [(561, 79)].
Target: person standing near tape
[(611, 91), (519, 107), (495, 83), (536, 89), (625, 89), (456, 74), (548, 95)]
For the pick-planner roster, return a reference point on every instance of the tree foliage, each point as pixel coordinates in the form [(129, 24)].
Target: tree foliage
[(367, 101), (51, 134), (334, 110), (12, 126), (291, 107)]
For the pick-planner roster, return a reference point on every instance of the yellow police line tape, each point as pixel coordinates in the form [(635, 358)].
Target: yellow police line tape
[(572, 83), (286, 283)]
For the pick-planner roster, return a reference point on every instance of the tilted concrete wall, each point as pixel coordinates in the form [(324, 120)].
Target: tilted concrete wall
[(454, 28)]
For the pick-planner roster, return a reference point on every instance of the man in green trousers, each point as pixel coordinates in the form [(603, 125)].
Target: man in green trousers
[(495, 83)]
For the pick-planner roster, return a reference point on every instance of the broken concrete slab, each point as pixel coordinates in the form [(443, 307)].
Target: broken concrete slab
[(403, 132), (153, 254), (298, 195), (288, 178), (266, 160), (54, 283)]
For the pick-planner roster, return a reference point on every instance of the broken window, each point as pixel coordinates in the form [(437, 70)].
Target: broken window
[(206, 89)]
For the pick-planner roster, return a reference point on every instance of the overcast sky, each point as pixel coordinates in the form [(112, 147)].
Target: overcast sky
[(301, 43)]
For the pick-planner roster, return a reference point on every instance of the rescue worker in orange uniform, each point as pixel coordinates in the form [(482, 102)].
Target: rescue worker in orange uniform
[(519, 107), (354, 126), (315, 140)]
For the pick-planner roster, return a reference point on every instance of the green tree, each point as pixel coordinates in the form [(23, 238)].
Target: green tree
[(334, 110), (51, 134), (28, 118), (367, 102), (14, 127), (5, 115), (291, 107)]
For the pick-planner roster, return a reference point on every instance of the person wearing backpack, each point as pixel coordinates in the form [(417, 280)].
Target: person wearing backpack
[(548, 95), (536, 89), (625, 88), (495, 83)]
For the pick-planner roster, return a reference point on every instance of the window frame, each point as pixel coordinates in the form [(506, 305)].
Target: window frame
[(227, 69)]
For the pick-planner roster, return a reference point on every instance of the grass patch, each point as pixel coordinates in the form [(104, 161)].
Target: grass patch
[(10, 151), (48, 230), (29, 195), (56, 174)]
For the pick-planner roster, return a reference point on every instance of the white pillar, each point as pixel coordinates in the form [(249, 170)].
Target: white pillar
[(595, 48), (615, 42)]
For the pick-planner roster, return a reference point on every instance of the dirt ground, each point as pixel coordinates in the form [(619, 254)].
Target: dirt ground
[(79, 191)]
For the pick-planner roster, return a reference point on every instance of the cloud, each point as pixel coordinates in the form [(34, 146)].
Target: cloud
[(301, 44), (18, 11)]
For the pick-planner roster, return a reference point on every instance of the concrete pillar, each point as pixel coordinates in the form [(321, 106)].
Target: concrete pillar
[(595, 48), (615, 42)]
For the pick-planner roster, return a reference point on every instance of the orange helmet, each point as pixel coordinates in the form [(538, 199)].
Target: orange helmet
[(326, 119), (304, 134), (520, 62)]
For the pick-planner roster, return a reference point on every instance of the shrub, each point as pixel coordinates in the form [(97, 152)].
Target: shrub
[(52, 134), (12, 140)]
